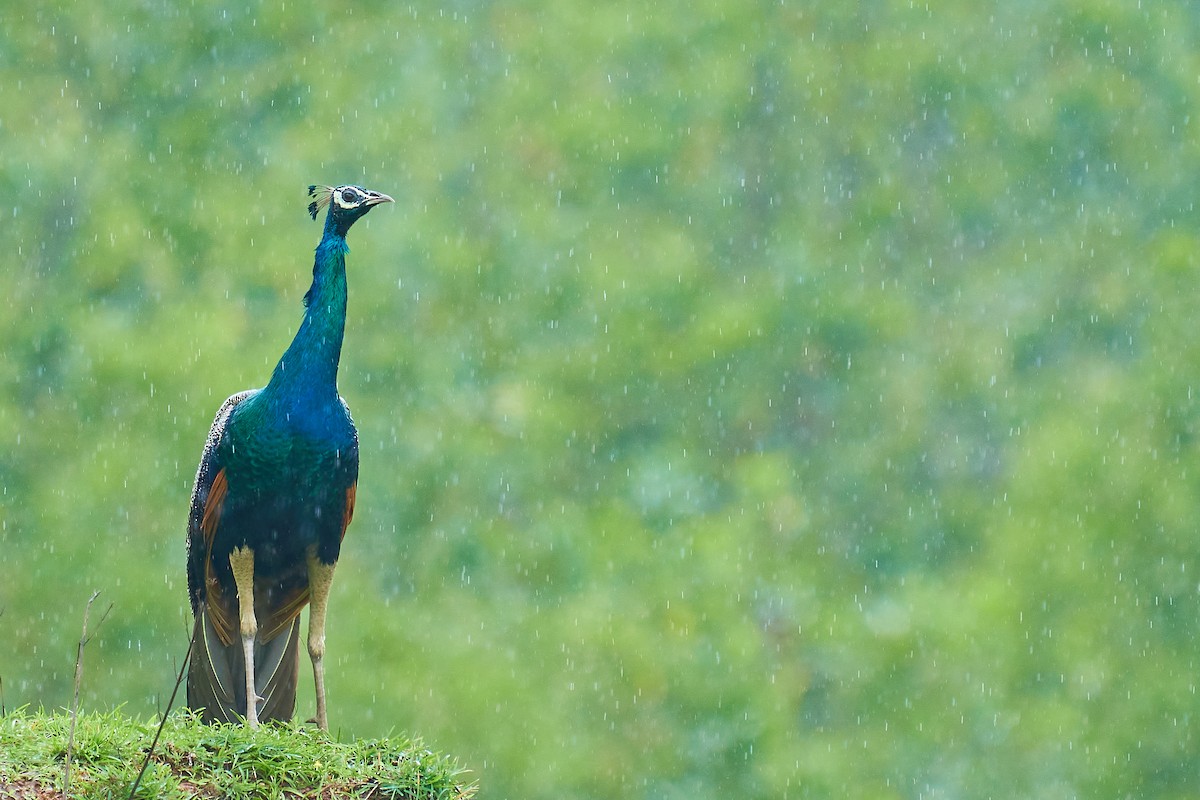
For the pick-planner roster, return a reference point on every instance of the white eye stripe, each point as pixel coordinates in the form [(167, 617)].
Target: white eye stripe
[(347, 197)]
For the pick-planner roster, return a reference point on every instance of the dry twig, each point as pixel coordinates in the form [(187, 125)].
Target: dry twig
[(83, 640)]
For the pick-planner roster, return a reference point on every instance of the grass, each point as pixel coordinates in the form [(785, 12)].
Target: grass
[(198, 760)]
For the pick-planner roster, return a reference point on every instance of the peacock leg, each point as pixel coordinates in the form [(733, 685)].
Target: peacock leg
[(241, 560), (320, 576)]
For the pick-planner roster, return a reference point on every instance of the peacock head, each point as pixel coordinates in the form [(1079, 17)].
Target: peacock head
[(346, 204)]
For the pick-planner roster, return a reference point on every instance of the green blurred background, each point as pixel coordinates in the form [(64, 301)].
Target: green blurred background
[(757, 399)]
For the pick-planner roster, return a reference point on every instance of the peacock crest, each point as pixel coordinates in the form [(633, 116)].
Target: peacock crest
[(321, 196)]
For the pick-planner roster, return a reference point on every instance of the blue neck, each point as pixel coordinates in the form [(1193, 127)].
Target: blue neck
[(308, 369)]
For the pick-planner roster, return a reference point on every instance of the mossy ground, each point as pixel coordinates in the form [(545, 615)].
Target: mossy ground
[(197, 760)]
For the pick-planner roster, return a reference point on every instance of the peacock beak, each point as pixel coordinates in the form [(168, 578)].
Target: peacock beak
[(378, 197)]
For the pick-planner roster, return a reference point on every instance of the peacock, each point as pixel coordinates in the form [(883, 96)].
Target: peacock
[(273, 496)]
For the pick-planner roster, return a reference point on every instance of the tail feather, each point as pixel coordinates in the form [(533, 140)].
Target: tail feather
[(216, 675)]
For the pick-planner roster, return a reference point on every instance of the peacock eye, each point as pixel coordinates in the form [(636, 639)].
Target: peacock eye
[(349, 197)]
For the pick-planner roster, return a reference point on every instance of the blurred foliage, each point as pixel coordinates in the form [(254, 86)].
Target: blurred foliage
[(757, 400)]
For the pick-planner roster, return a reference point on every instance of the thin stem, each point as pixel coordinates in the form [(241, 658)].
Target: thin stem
[(162, 722), (83, 640)]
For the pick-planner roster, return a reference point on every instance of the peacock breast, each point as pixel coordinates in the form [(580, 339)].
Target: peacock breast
[(287, 487), (286, 446)]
